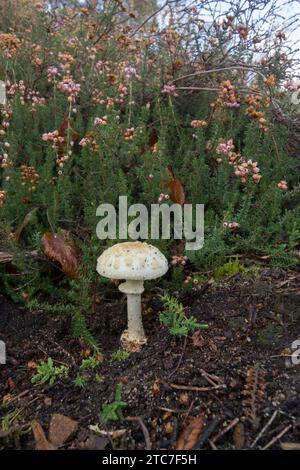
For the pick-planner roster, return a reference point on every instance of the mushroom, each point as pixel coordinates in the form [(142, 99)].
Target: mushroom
[(135, 262)]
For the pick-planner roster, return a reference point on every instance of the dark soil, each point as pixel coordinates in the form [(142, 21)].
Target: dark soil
[(252, 324)]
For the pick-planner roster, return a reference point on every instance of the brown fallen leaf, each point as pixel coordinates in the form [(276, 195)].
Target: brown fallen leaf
[(177, 192), (61, 428), (27, 219), (11, 384), (190, 435), (198, 340), (41, 442), (156, 388), (175, 186), (94, 442), (60, 249), (239, 436), (6, 399), (48, 401)]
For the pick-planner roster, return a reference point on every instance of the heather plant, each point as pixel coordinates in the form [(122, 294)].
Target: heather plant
[(173, 316), (101, 101)]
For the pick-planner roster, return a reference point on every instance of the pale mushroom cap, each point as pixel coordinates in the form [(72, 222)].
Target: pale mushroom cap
[(132, 261)]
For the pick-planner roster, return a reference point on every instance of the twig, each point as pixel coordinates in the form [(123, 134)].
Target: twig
[(195, 389), (281, 355), (170, 410), (13, 429), (65, 352), (207, 433), (189, 411), (264, 429), (275, 146), (209, 380), (212, 379), (180, 359), (144, 429), (108, 434), (221, 69), (150, 17), (225, 430), (212, 445), (276, 438), (20, 395)]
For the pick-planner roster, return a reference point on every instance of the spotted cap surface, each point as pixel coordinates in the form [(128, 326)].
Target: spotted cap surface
[(132, 261)]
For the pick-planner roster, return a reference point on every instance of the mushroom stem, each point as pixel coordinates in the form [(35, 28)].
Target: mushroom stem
[(135, 325), (134, 337)]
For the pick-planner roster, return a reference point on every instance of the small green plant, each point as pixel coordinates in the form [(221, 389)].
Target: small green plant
[(119, 356), (47, 372), (113, 411), (90, 362), (99, 378), (80, 381), (8, 420), (230, 269), (174, 318)]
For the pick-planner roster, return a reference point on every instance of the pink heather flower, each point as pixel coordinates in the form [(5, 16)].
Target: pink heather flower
[(198, 123), (102, 120), (182, 260), (21, 86), (282, 185), (100, 66), (256, 177), (83, 142), (130, 72), (290, 85), (169, 90), (52, 71), (231, 225), (242, 169), (163, 197), (68, 86), (235, 104), (52, 136), (225, 147)]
